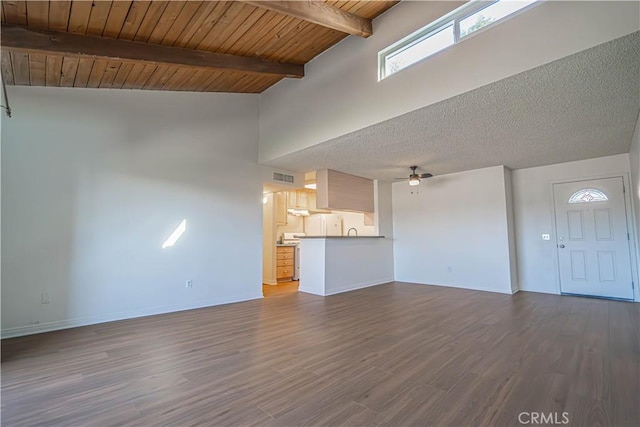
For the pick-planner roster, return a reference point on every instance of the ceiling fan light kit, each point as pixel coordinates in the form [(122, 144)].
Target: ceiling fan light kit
[(414, 178)]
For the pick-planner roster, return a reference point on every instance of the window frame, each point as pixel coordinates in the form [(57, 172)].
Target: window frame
[(455, 16)]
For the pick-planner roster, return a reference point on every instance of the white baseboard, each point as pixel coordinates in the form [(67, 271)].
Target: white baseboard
[(85, 321), (361, 285)]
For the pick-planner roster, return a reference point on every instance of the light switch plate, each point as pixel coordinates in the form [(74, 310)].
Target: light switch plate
[(546, 237)]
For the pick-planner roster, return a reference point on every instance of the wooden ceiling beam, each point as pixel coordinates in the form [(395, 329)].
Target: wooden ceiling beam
[(320, 13), (23, 39)]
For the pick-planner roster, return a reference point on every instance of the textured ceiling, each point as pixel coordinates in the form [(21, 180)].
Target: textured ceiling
[(579, 107)]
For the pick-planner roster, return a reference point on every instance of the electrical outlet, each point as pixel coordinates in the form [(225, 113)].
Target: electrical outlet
[(45, 298), (546, 236), (189, 284)]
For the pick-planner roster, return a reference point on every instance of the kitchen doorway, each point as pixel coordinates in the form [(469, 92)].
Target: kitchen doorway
[(280, 244)]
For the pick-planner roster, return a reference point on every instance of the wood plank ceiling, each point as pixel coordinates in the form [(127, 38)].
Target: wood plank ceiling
[(268, 32)]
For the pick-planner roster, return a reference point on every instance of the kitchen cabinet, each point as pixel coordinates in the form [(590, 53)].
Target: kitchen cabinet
[(280, 202), (285, 262), (341, 191), (297, 199), (303, 199)]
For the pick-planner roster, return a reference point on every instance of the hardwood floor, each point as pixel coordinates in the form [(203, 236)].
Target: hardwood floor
[(395, 354), (282, 288)]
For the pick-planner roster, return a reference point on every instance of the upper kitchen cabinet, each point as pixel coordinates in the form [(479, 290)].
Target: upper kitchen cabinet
[(280, 201), (342, 191), (297, 199)]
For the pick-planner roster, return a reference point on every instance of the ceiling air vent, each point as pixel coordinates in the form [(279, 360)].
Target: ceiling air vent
[(282, 177)]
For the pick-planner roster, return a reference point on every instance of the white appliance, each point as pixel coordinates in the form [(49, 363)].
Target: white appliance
[(323, 225), (293, 239)]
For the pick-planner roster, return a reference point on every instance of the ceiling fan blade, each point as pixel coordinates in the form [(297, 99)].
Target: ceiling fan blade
[(425, 175)]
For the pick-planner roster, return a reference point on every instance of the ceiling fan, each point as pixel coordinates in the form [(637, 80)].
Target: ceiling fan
[(414, 178)]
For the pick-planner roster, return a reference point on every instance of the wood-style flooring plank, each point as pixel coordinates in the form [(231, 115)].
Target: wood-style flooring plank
[(391, 355)]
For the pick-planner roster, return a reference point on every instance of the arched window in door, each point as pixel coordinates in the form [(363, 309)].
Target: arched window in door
[(588, 195)]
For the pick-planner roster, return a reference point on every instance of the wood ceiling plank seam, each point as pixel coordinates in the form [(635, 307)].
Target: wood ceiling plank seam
[(306, 53), (98, 17), (261, 47), (209, 29), (244, 83), (313, 40), (122, 75), (117, 16), (79, 17), (144, 76), (247, 27), (59, 12), (234, 16), (134, 18), (186, 15), (53, 70), (110, 74), (37, 69), (221, 83), (195, 79), (231, 22), (7, 67), (151, 18), (21, 69), (2, 18), (166, 21), (282, 52), (371, 10), (69, 70), (99, 67), (133, 76), (38, 14), (153, 79), (269, 25), (267, 84), (85, 65), (15, 12), (282, 37), (175, 80), (163, 76), (211, 81), (195, 26), (239, 83)]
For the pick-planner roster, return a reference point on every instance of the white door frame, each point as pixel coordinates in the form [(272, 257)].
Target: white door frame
[(631, 224)]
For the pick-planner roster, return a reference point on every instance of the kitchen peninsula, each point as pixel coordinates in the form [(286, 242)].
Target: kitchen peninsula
[(335, 264)]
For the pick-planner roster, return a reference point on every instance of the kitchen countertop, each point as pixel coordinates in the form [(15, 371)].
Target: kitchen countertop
[(286, 244), (341, 237)]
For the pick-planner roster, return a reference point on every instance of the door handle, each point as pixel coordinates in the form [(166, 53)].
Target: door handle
[(561, 246)]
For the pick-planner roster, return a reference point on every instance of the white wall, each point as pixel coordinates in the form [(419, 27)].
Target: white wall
[(357, 263), (93, 182), (340, 92), (454, 232), (384, 209), (534, 215), (268, 241), (331, 266), (634, 160), (511, 229)]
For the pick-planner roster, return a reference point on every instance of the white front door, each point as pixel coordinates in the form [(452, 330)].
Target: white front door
[(592, 238)]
